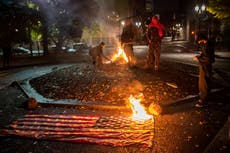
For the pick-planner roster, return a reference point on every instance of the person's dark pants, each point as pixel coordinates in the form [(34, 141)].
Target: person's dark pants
[(128, 49), (153, 55)]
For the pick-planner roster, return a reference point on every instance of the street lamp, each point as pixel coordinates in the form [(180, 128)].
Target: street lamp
[(138, 24), (200, 9)]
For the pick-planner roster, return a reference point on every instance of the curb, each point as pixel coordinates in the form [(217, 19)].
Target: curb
[(42, 101), (190, 98), (86, 106)]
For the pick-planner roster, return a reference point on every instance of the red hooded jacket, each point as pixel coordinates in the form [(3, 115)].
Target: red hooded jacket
[(155, 23)]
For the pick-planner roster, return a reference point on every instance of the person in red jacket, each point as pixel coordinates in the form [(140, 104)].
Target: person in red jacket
[(154, 34)]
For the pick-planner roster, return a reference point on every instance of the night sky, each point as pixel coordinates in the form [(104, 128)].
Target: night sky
[(166, 4), (171, 5)]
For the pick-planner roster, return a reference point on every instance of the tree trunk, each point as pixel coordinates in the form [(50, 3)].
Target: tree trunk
[(60, 41), (38, 47), (45, 38), (30, 40)]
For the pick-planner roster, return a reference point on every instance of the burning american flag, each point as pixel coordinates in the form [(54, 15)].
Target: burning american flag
[(104, 130)]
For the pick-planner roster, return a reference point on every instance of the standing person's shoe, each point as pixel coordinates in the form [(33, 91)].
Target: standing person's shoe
[(200, 104), (156, 68)]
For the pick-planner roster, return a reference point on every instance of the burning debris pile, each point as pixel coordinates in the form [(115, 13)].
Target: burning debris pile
[(120, 57)]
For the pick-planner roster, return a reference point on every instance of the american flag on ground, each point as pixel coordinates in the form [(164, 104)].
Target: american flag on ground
[(106, 130)]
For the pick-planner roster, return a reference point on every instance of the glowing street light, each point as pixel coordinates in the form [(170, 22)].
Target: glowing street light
[(203, 7), (200, 9), (122, 23), (138, 24)]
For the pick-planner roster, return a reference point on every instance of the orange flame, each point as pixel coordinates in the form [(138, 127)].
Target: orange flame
[(138, 110), (120, 55)]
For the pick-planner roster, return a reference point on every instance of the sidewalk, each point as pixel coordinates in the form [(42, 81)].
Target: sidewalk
[(28, 60), (222, 54)]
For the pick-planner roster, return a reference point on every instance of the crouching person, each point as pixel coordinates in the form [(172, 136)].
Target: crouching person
[(97, 54)]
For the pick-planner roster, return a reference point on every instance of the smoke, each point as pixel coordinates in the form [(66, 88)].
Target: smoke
[(108, 18), (53, 9), (87, 12)]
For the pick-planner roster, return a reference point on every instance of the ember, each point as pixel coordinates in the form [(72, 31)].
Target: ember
[(139, 112), (120, 56), (155, 109)]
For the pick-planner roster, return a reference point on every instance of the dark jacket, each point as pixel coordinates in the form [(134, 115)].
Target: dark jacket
[(128, 34), (153, 35)]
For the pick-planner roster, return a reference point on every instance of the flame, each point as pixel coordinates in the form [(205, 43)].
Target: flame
[(138, 110), (120, 54)]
